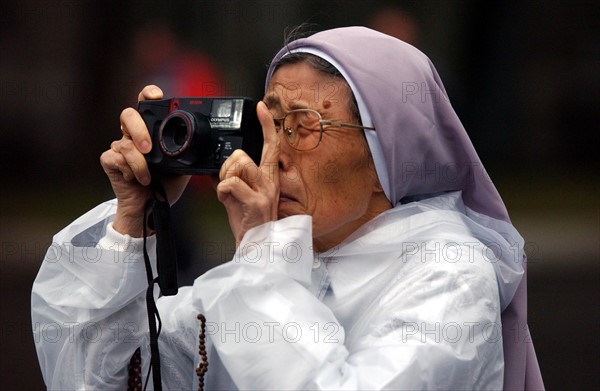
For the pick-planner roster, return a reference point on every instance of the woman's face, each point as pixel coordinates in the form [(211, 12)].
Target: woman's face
[(336, 182)]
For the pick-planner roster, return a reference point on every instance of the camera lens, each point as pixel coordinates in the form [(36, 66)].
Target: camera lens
[(175, 134)]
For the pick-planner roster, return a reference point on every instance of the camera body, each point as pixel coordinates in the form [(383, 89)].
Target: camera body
[(195, 135)]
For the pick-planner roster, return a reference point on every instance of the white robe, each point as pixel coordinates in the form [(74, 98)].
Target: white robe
[(412, 300)]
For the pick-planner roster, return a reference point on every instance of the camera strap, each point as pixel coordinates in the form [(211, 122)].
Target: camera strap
[(166, 252), (157, 217)]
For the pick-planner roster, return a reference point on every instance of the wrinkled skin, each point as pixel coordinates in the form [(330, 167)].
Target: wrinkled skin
[(335, 183)]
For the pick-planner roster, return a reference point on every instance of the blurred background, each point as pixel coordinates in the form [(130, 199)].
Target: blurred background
[(522, 76)]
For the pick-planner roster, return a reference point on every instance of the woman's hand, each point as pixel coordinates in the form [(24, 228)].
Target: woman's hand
[(125, 165), (249, 192)]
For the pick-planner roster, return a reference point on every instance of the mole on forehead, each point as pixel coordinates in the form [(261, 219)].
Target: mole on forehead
[(280, 97)]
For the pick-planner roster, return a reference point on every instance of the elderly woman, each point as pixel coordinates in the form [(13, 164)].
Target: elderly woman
[(373, 252)]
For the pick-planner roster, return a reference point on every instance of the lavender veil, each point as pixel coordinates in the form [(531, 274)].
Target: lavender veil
[(421, 149)]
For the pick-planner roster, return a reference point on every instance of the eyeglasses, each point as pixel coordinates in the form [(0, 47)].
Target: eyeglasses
[(303, 128)]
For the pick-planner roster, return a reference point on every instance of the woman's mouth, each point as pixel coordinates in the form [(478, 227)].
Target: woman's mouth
[(288, 205), (284, 197)]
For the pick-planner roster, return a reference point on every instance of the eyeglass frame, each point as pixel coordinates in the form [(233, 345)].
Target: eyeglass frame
[(321, 123)]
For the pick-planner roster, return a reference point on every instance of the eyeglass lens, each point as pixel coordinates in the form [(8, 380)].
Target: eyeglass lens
[(302, 129)]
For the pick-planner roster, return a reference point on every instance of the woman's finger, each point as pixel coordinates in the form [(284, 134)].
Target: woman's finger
[(134, 128), (135, 161), (150, 92), (270, 151), (236, 165), (114, 163)]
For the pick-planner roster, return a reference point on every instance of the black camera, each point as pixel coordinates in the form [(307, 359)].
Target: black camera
[(195, 135)]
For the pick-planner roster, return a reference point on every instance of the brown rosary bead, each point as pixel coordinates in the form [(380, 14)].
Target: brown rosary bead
[(203, 365)]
